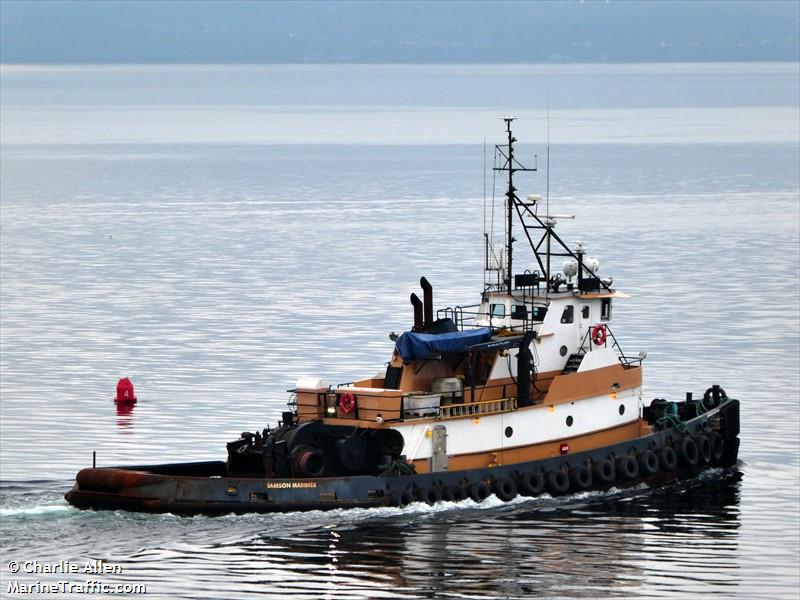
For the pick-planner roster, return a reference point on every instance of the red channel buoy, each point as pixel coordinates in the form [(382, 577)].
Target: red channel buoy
[(125, 394)]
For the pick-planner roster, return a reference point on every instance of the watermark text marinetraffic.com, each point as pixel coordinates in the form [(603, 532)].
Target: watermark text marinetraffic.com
[(72, 578)]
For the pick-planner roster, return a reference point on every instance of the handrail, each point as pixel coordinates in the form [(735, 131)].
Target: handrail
[(584, 340), (484, 407), (625, 360), (622, 358), (456, 314), (467, 318), (413, 454), (450, 404)]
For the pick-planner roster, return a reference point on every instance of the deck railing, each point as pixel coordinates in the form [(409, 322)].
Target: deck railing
[(475, 409), (378, 405)]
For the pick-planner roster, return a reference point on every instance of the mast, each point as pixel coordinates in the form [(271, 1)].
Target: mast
[(549, 245), (510, 202), (549, 220), (512, 165)]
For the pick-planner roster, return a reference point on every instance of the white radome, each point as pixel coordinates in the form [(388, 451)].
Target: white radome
[(570, 267)]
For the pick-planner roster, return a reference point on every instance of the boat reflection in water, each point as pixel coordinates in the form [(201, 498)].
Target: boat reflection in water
[(645, 542)]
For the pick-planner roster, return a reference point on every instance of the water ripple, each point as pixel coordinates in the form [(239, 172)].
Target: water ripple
[(216, 276)]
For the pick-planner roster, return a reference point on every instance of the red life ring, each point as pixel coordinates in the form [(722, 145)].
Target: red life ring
[(347, 403), (599, 334)]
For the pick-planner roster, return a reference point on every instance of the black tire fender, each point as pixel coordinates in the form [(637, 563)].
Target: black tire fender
[(604, 471), (504, 488), (557, 482), (627, 468), (531, 484), (703, 449), (648, 463), (687, 452), (432, 494), (403, 498), (667, 459), (307, 461), (454, 493), (717, 443), (580, 478), (479, 491)]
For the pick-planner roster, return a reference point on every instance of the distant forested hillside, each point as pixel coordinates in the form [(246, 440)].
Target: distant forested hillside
[(216, 31)]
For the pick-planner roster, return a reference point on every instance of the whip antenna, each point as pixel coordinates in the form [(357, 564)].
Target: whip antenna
[(547, 200)]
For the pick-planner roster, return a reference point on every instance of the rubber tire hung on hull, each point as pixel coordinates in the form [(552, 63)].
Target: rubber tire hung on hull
[(604, 471), (479, 491), (531, 483), (557, 482), (307, 461), (703, 448), (580, 478), (667, 459), (403, 499), (687, 452), (504, 488), (717, 443), (648, 463), (432, 495), (627, 467), (454, 493)]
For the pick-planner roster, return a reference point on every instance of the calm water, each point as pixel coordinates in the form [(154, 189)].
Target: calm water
[(217, 232)]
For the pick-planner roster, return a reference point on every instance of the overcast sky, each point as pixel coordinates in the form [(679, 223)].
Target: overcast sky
[(213, 31)]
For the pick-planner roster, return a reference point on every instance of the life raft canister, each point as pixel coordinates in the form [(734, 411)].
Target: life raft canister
[(599, 334), (125, 393), (347, 403)]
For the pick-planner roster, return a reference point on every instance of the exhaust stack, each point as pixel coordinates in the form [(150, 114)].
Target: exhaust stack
[(524, 360), (419, 323), (427, 290)]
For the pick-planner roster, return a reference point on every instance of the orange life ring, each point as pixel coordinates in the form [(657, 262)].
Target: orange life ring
[(599, 334), (347, 403)]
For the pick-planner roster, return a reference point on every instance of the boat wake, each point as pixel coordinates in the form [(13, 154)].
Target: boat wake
[(34, 511), (283, 525)]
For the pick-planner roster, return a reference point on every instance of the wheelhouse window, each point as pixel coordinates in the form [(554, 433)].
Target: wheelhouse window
[(538, 313), (519, 311), (498, 311), (568, 316), (605, 309)]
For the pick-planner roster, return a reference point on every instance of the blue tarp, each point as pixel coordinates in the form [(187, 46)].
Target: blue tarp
[(413, 346)]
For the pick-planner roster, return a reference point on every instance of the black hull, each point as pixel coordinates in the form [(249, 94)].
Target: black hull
[(203, 488)]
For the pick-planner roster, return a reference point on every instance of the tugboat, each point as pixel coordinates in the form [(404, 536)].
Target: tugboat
[(525, 393)]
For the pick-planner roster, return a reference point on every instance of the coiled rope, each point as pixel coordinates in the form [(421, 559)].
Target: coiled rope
[(669, 418)]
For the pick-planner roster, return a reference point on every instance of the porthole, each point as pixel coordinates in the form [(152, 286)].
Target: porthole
[(509, 432), (622, 409), (563, 350), (570, 421)]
